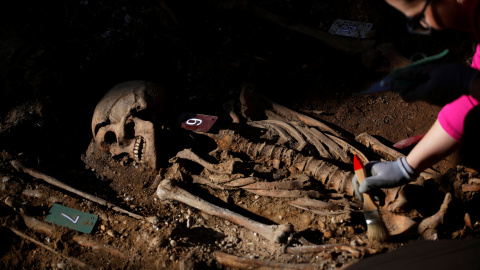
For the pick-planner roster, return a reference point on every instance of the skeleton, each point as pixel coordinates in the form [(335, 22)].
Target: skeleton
[(308, 151), (123, 121)]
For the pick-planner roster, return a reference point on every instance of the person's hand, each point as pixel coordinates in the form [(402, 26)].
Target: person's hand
[(387, 174), (434, 83)]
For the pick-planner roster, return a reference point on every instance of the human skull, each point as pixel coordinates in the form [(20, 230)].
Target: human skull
[(123, 121)]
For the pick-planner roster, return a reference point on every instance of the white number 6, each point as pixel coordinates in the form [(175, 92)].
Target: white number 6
[(194, 121)]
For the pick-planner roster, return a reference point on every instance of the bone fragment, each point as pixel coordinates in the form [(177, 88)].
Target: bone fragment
[(196, 179), (293, 132), (397, 224), (226, 167), (84, 241), (468, 221), (395, 199), (243, 181), (470, 188), (275, 233), (38, 225), (69, 258), (220, 178), (18, 165), (229, 108), (33, 193), (344, 213), (286, 193), (474, 181), (428, 227), (320, 248), (288, 185), (244, 263), (315, 204)]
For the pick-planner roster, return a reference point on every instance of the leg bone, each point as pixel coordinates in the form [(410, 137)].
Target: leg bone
[(275, 233), (18, 165)]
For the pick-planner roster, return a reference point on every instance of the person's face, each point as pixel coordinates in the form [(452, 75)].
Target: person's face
[(439, 14)]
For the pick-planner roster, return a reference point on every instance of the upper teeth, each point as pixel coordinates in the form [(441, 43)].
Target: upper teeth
[(139, 149)]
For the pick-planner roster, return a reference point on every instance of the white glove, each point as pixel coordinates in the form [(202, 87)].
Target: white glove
[(387, 174)]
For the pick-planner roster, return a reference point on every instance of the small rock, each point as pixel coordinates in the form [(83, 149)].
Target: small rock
[(173, 243), (321, 224), (328, 234), (111, 233), (61, 265), (155, 243), (9, 201), (305, 221), (102, 227), (189, 221)]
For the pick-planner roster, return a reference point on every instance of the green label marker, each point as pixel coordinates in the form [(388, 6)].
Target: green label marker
[(71, 218)]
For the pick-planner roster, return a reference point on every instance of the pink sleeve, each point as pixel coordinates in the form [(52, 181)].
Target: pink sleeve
[(452, 116), (476, 58)]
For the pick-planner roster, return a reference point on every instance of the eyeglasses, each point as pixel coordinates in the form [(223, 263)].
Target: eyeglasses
[(417, 24)]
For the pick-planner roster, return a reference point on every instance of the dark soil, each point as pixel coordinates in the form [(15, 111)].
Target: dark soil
[(61, 57)]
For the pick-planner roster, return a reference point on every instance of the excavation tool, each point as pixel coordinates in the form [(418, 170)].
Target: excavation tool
[(376, 228)]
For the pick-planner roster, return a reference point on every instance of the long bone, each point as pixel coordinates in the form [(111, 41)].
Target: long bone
[(275, 233), (78, 262), (50, 230), (18, 165)]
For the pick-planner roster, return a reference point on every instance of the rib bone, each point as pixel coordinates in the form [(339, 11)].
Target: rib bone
[(275, 233)]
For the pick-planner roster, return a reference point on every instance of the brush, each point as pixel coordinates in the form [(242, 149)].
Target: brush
[(376, 229)]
